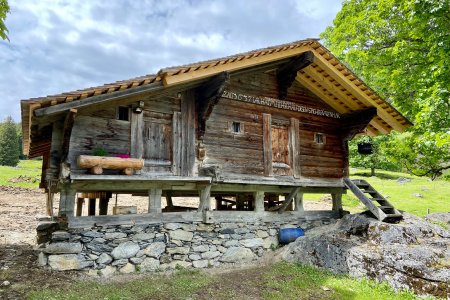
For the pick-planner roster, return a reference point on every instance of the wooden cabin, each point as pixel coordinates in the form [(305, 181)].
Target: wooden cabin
[(248, 134)]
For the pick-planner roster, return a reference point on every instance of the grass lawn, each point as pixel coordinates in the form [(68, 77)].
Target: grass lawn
[(279, 281), (27, 174)]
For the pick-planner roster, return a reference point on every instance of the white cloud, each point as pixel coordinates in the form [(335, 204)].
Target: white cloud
[(61, 45)]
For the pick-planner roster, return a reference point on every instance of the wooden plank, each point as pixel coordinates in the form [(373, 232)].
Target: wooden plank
[(176, 143), (289, 199), (66, 201), (294, 147), (267, 144), (137, 135), (205, 198), (154, 200), (337, 201), (188, 133)]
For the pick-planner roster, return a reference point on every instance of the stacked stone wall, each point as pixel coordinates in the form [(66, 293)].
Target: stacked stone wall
[(105, 250)]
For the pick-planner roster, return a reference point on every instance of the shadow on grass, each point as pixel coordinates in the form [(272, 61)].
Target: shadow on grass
[(381, 175)]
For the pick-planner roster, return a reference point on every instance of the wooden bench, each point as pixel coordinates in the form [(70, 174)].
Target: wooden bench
[(96, 164)]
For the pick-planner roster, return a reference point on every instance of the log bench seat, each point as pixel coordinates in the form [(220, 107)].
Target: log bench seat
[(96, 164)]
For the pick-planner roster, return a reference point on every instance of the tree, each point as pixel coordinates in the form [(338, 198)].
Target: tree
[(380, 157), (401, 48), (9, 146), (4, 9)]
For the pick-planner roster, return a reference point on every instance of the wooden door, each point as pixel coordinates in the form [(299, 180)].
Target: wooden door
[(157, 136), (280, 150)]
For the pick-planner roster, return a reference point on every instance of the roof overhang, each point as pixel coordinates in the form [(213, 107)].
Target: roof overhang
[(326, 77)]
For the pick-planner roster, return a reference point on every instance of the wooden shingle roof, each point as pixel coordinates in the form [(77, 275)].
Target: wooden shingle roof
[(326, 77)]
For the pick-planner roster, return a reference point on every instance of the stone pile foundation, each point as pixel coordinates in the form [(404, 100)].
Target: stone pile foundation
[(105, 250)]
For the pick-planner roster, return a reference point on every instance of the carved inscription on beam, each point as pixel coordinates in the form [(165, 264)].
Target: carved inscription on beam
[(207, 97), (286, 74)]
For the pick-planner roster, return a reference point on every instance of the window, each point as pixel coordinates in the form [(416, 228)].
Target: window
[(123, 113), (319, 138), (236, 127)]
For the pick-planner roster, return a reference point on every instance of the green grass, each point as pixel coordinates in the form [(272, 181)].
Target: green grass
[(27, 174), (279, 281)]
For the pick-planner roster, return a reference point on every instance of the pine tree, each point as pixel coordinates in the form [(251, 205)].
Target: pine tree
[(9, 145)]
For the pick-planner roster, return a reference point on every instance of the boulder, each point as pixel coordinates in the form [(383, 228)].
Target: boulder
[(125, 250), (237, 254), (65, 262), (412, 254), (127, 269), (104, 259)]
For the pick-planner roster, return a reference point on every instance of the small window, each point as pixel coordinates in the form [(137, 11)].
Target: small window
[(319, 138), (123, 113), (236, 127)]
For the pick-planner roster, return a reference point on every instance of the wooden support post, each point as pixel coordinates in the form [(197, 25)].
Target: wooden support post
[(188, 133), (169, 202), (219, 203), (154, 201), (299, 203), (288, 199), (294, 147), (240, 201), (337, 202), (103, 206), (50, 197), (67, 201), (205, 198), (137, 135), (176, 143), (267, 144), (80, 202), (259, 201), (91, 207)]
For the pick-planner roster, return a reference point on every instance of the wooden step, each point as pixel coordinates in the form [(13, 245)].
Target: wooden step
[(394, 216)]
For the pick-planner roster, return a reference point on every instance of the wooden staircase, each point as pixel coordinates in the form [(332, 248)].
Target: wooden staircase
[(384, 211)]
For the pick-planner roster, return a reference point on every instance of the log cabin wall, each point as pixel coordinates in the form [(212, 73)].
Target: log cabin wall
[(234, 140)]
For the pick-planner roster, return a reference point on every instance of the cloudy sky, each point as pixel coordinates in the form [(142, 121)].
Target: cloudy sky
[(63, 45)]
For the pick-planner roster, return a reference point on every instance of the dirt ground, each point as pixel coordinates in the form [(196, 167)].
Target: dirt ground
[(20, 210)]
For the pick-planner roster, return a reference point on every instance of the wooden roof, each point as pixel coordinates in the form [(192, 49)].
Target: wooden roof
[(326, 77)]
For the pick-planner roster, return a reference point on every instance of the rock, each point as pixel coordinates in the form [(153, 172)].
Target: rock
[(200, 264), (181, 235), (64, 262), (125, 250), (262, 234), (149, 264), (63, 248), (107, 271), (104, 259), (270, 242), (127, 269), (273, 232), (178, 250), (237, 254), (441, 217), (155, 249), (189, 227), (98, 247), (195, 257), (241, 230), (417, 195), (119, 262), (47, 225), (143, 236), (227, 231), (42, 259), (409, 255), (200, 248), (137, 260), (251, 243), (205, 227), (230, 243), (177, 264), (6, 283), (403, 180), (58, 236), (172, 226), (115, 235), (92, 234), (140, 253), (210, 254)]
